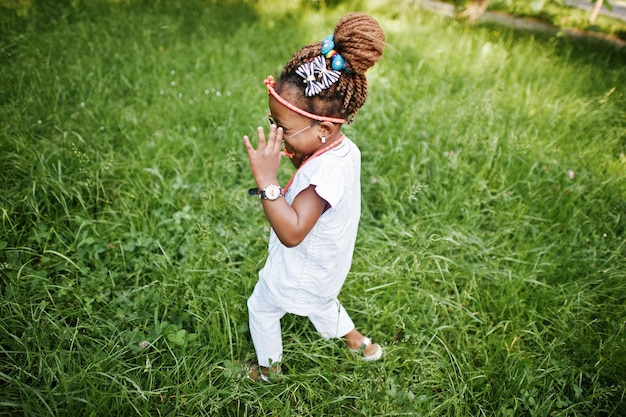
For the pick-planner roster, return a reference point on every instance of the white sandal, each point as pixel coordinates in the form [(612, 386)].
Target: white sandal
[(252, 370), (368, 358)]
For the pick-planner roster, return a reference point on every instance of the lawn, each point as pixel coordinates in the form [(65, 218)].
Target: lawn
[(490, 261)]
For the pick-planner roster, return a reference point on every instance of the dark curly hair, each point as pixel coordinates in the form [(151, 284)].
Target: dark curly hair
[(360, 40)]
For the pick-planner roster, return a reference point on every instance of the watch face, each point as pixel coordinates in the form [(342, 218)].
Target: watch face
[(272, 192)]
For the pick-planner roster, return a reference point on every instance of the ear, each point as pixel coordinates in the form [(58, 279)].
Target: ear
[(328, 128)]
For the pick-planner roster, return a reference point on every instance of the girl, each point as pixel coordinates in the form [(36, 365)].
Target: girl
[(314, 219)]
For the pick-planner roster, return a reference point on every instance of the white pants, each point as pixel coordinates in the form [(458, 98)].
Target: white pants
[(330, 320)]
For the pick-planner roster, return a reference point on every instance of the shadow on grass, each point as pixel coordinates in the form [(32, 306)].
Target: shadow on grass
[(44, 15), (583, 47)]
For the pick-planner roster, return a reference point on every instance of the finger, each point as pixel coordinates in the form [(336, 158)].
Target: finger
[(261, 134), (271, 141), (280, 134), (248, 145)]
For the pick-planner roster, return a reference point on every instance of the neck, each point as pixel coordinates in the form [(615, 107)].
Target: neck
[(335, 136), (330, 142), (333, 140), (325, 147)]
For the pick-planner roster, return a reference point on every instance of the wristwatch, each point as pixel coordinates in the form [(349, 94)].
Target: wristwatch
[(271, 192)]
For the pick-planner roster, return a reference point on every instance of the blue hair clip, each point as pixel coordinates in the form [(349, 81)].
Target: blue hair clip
[(328, 44), (337, 62)]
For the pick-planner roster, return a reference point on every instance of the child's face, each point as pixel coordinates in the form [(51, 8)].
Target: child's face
[(300, 134)]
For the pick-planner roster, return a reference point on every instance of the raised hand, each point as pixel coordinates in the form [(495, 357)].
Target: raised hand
[(265, 160)]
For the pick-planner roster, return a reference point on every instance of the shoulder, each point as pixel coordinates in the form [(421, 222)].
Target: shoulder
[(345, 149)]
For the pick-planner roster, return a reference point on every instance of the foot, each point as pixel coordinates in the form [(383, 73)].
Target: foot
[(261, 373), (369, 351)]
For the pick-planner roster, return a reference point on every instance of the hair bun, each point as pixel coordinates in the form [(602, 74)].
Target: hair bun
[(360, 40)]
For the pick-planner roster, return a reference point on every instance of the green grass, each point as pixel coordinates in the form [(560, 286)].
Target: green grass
[(490, 261)]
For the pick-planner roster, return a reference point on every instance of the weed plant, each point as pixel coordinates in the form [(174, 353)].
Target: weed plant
[(490, 259)]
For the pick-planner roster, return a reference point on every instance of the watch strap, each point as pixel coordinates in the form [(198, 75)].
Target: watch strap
[(262, 193)]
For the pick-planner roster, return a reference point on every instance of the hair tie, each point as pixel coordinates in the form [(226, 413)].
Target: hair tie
[(337, 62)]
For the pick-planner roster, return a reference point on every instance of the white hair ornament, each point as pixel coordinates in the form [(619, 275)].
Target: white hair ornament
[(316, 76)]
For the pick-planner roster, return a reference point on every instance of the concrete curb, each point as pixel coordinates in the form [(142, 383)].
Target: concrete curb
[(532, 25), (618, 12)]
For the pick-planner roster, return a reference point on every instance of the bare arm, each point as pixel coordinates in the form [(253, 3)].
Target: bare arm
[(290, 222)]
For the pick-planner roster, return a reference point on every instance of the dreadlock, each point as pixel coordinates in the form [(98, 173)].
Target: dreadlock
[(360, 40)]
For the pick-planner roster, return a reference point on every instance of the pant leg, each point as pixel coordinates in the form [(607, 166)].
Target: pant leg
[(264, 322), (332, 320)]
